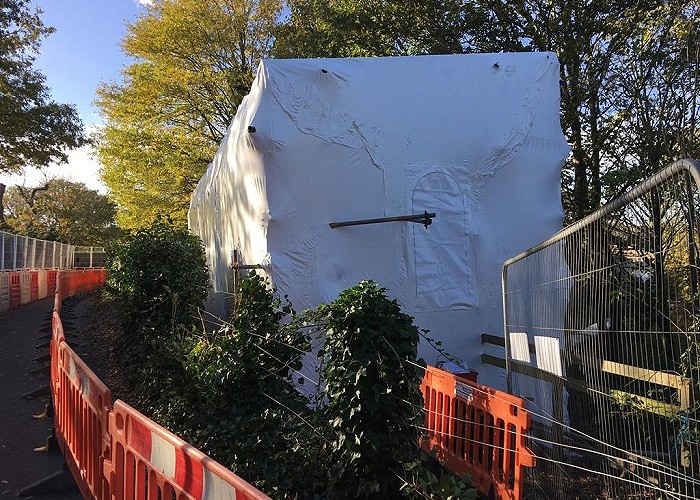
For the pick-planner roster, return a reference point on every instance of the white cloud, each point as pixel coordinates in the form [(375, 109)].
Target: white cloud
[(144, 2)]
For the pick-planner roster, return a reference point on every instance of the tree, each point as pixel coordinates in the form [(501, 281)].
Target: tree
[(195, 61), (628, 85), (345, 28), (657, 93), (61, 210), (34, 130), (586, 37)]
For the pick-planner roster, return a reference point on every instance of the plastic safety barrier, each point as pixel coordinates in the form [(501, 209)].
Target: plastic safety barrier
[(82, 405), (15, 293), (43, 288), (151, 462), (4, 291), (114, 452), (51, 276), (25, 296), (477, 430), (33, 286)]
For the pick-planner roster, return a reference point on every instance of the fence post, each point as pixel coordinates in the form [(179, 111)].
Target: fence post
[(2, 251), (33, 260), (14, 253)]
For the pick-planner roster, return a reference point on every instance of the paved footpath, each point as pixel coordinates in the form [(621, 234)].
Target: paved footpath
[(20, 433)]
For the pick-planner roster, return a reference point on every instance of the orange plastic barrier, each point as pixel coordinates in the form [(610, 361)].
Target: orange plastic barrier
[(33, 286), (82, 405), (15, 292), (4, 291), (477, 430), (149, 462), (81, 401), (51, 276), (117, 453)]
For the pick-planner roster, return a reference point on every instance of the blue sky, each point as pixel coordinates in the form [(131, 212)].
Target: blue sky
[(85, 49), (83, 52)]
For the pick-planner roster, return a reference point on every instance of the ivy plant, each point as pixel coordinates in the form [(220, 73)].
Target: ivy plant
[(372, 391)]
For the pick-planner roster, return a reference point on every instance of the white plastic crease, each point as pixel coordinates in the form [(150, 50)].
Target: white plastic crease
[(474, 138)]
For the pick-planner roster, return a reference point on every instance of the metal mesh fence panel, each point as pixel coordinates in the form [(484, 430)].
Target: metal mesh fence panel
[(50, 253), (21, 252), (89, 257), (8, 250), (602, 339), (40, 254)]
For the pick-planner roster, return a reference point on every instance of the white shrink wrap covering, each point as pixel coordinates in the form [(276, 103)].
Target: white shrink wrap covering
[(474, 138)]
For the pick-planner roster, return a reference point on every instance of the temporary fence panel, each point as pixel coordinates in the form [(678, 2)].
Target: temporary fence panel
[(4, 291), (19, 252), (50, 261), (7, 257), (40, 254), (88, 257), (601, 338), (150, 462), (477, 430)]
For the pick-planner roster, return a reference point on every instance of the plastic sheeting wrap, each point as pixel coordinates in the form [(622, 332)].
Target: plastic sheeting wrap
[(474, 138)]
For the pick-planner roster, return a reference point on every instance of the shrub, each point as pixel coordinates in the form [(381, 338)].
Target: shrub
[(244, 376), (159, 277), (372, 389)]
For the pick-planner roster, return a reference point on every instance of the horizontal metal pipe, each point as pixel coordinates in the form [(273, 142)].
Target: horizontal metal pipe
[(247, 266), (424, 218)]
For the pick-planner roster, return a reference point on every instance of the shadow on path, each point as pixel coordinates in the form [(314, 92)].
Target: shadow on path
[(20, 433)]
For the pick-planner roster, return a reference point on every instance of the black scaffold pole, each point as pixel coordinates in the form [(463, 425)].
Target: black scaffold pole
[(425, 218)]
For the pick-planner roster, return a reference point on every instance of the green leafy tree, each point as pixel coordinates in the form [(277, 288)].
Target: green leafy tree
[(345, 28), (195, 61), (657, 94), (61, 210), (628, 85), (34, 130)]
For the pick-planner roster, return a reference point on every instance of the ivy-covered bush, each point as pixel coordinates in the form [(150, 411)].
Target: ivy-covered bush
[(235, 394), (250, 413), (159, 274), (159, 277), (372, 389)]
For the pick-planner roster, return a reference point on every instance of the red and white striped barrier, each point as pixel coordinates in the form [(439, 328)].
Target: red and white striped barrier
[(477, 430), (22, 287), (175, 469), (4, 291), (82, 405), (116, 452)]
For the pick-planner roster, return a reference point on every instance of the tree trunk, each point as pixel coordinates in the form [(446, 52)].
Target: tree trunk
[(3, 222)]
